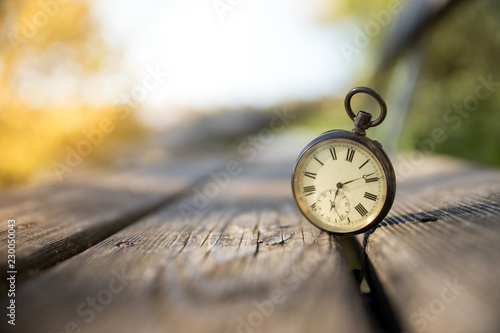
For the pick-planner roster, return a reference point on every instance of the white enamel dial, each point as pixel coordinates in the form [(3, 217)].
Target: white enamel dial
[(340, 185)]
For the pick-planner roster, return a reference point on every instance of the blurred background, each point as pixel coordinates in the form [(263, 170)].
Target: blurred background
[(91, 82)]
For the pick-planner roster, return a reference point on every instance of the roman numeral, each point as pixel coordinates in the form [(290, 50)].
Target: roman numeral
[(313, 206), (370, 196), (362, 165), (361, 210), (333, 153), (318, 160), (310, 174), (350, 154), (309, 190), (369, 180)]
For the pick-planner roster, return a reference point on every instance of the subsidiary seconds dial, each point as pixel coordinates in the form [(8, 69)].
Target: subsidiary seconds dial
[(333, 206)]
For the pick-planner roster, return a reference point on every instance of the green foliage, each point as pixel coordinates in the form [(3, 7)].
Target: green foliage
[(459, 54), (358, 9), (456, 52)]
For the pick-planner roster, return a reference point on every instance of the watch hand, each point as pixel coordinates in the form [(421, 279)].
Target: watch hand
[(337, 211), (339, 185), (364, 176)]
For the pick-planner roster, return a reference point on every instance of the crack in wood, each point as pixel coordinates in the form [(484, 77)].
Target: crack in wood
[(257, 244), (128, 244), (281, 242)]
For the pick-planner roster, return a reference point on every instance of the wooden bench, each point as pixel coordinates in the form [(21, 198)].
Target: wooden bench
[(200, 244)]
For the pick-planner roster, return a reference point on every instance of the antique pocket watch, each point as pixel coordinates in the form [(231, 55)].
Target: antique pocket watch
[(343, 182)]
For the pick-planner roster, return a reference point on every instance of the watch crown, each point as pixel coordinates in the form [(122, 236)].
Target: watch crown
[(361, 122)]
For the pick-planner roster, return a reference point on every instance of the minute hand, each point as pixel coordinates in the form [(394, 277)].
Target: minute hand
[(364, 176)]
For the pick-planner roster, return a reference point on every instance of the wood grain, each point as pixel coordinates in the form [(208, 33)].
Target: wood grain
[(436, 256), (57, 220), (247, 262)]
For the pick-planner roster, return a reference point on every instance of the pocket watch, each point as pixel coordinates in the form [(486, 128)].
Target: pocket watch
[(343, 182)]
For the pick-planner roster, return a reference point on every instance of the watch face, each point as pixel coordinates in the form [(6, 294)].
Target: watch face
[(340, 185)]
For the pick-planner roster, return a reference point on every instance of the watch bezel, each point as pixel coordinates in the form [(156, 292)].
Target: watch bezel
[(382, 158)]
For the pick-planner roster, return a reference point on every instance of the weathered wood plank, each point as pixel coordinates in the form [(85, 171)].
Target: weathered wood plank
[(247, 262), (437, 254), (57, 220)]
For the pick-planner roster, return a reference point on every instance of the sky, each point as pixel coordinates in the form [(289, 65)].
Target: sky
[(225, 54)]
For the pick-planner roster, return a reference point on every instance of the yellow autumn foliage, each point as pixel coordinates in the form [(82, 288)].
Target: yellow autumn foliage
[(42, 43)]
